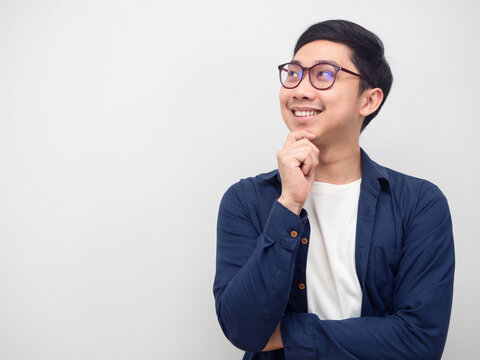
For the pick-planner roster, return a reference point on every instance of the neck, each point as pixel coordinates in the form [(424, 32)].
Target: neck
[(339, 165)]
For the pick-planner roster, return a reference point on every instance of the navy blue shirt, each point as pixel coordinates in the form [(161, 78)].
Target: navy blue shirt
[(404, 257)]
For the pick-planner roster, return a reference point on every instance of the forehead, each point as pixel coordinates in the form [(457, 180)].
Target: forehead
[(324, 50)]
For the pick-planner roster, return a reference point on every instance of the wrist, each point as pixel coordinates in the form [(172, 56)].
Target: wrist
[(290, 205)]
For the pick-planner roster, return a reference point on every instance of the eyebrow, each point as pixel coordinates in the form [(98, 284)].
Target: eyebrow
[(317, 62)]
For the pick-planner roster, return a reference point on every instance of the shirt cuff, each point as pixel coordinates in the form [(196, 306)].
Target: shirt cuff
[(284, 226), (298, 336)]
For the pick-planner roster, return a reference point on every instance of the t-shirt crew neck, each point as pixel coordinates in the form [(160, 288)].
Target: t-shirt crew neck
[(324, 187)]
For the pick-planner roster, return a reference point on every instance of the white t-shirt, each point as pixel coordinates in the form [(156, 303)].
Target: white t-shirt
[(333, 289)]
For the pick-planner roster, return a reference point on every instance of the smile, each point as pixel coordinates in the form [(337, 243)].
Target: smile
[(306, 113)]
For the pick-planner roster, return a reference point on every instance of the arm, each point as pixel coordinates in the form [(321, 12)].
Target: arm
[(254, 270), (417, 329)]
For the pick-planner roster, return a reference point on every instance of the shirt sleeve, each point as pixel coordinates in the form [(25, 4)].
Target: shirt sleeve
[(254, 271), (417, 328)]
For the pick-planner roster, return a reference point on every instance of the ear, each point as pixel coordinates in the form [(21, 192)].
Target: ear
[(371, 100)]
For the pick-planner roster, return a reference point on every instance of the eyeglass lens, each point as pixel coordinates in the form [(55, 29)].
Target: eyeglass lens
[(321, 75)]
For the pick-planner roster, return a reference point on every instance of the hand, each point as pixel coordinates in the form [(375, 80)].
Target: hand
[(275, 341), (297, 162)]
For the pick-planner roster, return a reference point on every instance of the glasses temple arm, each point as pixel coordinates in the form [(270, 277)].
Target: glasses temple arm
[(351, 72)]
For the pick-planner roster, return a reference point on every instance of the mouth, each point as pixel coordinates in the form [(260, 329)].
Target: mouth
[(304, 113)]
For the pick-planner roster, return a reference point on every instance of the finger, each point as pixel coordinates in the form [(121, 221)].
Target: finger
[(294, 136), (302, 158), (294, 158), (300, 143), (304, 144), (300, 149), (313, 156), (315, 150), (311, 175), (305, 168), (308, 164), (311, 162)]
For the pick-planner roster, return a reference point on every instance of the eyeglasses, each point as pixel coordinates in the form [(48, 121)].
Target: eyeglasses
[(322, 75)]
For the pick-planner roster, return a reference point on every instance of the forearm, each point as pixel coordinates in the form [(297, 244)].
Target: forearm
[(248, 308), (251, 299), (306, 337)]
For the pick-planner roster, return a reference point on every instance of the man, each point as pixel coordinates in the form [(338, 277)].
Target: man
[(333, 256)]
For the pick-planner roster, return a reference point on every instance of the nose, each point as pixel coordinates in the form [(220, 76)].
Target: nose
[(304, 90)]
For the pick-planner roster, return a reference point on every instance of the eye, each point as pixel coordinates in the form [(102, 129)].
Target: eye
[(293, 73), (325, 75)]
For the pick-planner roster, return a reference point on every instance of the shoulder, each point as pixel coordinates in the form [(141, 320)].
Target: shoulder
[(407, 186), (265, 180), (404, 188), (416, 196), (254, 191)]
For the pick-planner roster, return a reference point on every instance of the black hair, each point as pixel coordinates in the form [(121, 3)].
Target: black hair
[(367, 54)]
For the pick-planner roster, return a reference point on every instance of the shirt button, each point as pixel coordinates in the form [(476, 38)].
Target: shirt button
[(301, 286), (293, 233), (304, 241)]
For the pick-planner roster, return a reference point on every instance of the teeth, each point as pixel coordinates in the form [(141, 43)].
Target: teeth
[(306, 113)]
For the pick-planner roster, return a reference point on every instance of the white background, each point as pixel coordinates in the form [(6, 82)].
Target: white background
[(122, 123)]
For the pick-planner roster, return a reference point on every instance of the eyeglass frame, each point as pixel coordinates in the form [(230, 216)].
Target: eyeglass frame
[(307, 69)]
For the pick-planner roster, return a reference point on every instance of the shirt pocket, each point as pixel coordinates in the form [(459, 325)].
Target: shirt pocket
[(387, 261)]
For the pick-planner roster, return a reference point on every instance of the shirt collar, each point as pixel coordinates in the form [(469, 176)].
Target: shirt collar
[(373, 174)]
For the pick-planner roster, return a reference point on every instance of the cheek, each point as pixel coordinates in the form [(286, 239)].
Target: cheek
[(340, 103), (283, 96)]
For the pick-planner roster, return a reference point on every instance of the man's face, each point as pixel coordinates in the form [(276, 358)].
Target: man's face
[(338, 121)]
